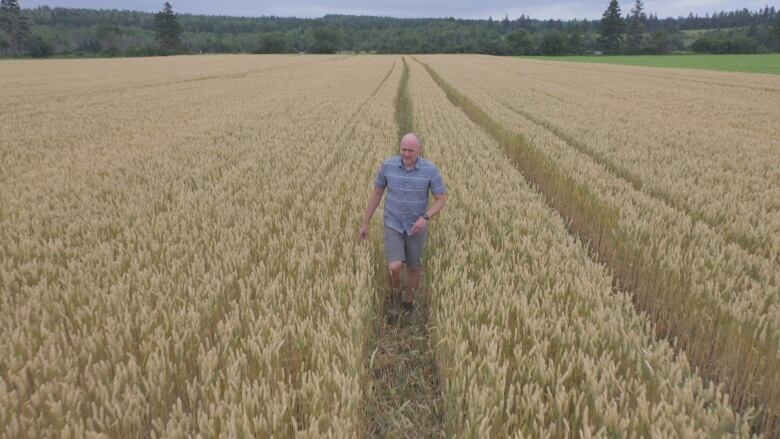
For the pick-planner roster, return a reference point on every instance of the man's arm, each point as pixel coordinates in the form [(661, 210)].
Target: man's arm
[(373, 203), (437, 206)]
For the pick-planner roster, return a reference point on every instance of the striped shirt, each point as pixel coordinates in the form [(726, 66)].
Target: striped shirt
[(407, 190)]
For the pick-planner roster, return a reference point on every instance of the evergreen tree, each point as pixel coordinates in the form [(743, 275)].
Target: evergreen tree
[(39, 48), (519, 43), (85, 31), (553, 42), (776, 30), (167, 29), (505, 23), (612, 28), (327, 39), (659, 42), (636, 27), (273, 42), (576, 41), (14, 24)]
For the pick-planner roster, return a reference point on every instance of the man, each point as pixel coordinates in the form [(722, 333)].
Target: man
[(408, 179)]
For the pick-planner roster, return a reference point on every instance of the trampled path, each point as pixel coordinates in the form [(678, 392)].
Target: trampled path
[(404, 387), (404, 379)]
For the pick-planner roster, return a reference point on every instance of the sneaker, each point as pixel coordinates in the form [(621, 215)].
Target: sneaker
[(407, 308)]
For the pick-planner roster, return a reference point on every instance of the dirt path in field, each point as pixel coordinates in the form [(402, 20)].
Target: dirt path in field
[(404, 388)]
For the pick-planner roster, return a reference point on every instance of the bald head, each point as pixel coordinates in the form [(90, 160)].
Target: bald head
[(410, 149), (410, 140)]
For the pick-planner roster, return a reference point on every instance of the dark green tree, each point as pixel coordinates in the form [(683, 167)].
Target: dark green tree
[(326, 39), (554, 42), (14, 24), (167, 29), (776, 30), (39, 47), (505, 23), (576, 42), (108, 36), (611, 29), (659, 42), (273, 42), (493, 46), (519, 43), (636, 28), (725, 43), (132, 33)]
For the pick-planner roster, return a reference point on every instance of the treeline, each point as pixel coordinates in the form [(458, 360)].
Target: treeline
[(739, 18), (88, 32)]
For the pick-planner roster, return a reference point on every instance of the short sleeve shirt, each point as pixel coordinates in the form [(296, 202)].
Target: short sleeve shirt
[(407, 190)]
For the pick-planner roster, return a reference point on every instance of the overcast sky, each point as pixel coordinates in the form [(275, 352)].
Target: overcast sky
[(410, 8)]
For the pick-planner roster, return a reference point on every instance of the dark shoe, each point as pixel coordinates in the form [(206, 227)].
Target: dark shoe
[(393, 298), (407, 308), (392, 314)]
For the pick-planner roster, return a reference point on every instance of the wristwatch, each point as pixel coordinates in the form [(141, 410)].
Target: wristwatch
[(426, 216)]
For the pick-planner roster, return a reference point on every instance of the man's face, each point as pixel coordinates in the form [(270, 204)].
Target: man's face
[(409, 153)]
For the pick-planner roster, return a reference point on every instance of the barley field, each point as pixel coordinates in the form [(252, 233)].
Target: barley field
[(179, 252)]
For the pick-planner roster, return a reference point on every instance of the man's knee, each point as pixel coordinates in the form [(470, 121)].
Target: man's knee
[(414, 270), (395, 266)]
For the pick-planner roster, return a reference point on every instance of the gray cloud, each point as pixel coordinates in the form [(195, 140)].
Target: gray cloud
[(407, 8)]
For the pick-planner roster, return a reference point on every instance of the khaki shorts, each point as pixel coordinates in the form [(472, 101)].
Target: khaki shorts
[(402, 247)]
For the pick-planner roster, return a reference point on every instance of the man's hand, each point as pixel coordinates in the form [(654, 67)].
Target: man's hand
[(373, 202), (419, 225)]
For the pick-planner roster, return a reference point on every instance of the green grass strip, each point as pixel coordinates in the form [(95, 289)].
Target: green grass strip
[(404, 116), (725, 350)]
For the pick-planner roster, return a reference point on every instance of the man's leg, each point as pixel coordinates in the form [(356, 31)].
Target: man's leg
[(414, 251), (394, 248), (412, 280), (395, 277)]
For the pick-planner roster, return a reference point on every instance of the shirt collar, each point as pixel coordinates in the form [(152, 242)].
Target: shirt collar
[(402, 166)]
